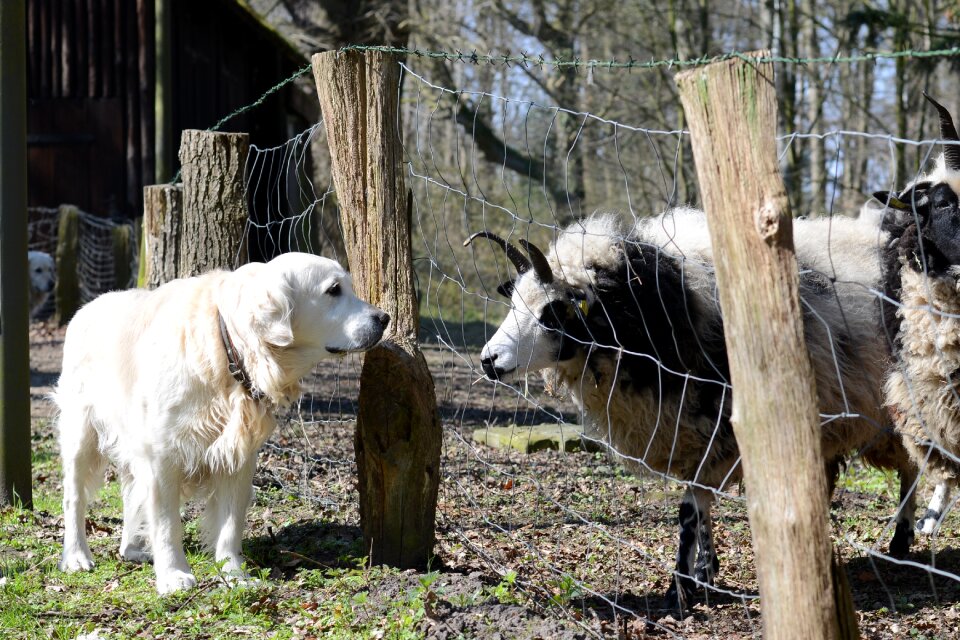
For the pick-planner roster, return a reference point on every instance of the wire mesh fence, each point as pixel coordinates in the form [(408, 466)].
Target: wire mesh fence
[(96, 258), (588, 459)]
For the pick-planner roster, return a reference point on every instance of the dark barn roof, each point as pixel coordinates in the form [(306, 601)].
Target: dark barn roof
[(111, 83)]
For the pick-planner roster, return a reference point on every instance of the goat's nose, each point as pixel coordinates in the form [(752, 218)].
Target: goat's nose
[(489, 368)]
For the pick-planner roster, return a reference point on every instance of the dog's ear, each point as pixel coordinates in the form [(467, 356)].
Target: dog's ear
[(273, 316), (263, 300)]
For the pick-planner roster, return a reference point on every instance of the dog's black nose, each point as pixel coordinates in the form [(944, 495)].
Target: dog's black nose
[(384, 319)]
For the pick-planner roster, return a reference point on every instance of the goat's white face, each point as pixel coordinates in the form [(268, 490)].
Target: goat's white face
[(530, 337)]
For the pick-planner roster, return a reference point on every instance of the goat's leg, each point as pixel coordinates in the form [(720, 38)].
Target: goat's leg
[(931, 519), (708, 564), (906, 513), (684, 583)]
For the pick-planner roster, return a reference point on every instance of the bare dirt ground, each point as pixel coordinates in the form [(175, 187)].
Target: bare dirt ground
[(550, 544)]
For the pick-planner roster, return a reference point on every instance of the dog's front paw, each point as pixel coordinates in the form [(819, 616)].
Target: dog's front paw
[(135, 551), (136, 555), (174, 580), (75, 560)]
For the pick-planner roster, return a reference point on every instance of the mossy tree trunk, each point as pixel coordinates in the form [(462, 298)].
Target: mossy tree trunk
[(68, 283)]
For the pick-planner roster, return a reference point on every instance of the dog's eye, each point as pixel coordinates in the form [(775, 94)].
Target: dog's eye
[(334, 289)]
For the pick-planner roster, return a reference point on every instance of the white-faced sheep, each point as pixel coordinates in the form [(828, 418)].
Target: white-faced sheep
[(922, 285), (629, 324)]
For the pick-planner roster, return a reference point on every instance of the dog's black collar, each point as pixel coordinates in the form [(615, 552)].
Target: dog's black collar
[(235, 362)]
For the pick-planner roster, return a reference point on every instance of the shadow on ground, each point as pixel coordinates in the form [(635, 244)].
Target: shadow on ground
[(905, 585)]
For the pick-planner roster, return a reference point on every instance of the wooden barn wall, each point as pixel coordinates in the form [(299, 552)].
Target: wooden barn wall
[(222, 61), (90, 116), (91, 75)]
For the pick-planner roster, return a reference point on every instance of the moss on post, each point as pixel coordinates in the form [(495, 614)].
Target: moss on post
[(68, 284)]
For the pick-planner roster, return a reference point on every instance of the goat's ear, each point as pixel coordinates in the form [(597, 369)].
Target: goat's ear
[(580, 301), (890, 199), (506, 288)]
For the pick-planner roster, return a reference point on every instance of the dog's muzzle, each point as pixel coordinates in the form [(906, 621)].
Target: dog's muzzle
[(368, 339)]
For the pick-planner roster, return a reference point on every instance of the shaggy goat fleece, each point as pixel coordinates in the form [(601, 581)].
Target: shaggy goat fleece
[(654, 384), (628, 323), (921, 388)]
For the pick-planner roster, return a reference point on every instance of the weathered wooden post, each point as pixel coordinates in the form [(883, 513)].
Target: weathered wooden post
[(398, 429), (68, 284), (731, 108), (15, 472), (162, 221), (214, 205)]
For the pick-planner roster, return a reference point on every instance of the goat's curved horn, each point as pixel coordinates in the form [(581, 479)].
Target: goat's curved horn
[(948, 131), (540, 265), (515, 255)]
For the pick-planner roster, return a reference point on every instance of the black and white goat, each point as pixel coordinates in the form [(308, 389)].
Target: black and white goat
[(629, 324), (922, 317)]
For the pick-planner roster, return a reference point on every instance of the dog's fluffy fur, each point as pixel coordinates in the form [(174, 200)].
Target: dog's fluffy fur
[(42, 278), (146, 384)]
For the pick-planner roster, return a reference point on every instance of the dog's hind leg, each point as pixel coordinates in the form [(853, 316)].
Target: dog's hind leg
[(83, 466), (225, 517), (162, 481), (134, 539)]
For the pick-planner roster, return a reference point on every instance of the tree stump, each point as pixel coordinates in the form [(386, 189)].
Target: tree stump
[(398, 428), (214, 203), (162, 222)]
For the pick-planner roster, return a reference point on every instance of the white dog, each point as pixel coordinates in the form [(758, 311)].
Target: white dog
[(178, 388), (42, 278)]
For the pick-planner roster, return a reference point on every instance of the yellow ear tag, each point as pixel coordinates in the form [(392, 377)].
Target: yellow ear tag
[(583, 306)]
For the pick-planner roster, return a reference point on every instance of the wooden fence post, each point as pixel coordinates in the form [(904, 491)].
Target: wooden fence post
[(162, 222), (120, 236), (732, 113), (68, 283), (214, 203), (15, 473), (398, 428)]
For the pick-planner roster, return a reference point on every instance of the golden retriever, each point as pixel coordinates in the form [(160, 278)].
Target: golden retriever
[(178, 388), (42, 278)]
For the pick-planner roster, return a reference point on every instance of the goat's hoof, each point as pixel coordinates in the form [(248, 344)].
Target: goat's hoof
[(929, 523), (677, 597), (902, 540)]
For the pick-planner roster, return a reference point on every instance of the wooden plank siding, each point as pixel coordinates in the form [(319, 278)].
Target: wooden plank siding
[(91, 88)]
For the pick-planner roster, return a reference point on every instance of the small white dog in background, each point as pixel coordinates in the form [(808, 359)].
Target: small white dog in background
[(42, 278), (178, 387)]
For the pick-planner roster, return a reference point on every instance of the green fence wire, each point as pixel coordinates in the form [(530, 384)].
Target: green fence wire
[(548, 60)]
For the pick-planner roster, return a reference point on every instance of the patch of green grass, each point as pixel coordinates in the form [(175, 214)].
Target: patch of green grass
[(868, 480), (119, 599)]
